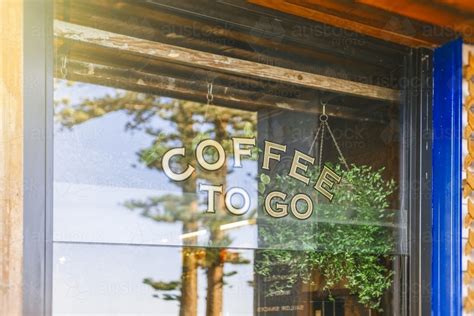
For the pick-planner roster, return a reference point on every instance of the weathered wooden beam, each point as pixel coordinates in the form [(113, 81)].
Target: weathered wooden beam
[(235, 21), (11, 157), (172, 28), (358, 18), (218, 63), (134, 80), (440, 13), (101, 56), (246, 92)]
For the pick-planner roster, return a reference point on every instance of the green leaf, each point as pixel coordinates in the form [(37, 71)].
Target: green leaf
[(264, 178)]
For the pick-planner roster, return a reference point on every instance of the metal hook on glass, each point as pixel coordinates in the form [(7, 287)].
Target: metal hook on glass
[(323, 117), (209, 96), (64, 66)]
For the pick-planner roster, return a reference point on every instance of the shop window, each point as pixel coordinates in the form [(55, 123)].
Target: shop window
[(183, 190)]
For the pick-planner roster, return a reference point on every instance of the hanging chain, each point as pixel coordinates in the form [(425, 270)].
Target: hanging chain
[(314, 140), (337, 147), (323, 118), (322, 143)]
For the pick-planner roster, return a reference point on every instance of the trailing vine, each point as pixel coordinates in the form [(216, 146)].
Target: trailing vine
[(346, 240)]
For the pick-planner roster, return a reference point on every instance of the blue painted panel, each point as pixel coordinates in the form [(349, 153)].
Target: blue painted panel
[(447, 113)]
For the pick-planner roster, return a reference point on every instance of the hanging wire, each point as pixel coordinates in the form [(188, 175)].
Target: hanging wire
[(321, 146), (315, 139), (323, 118), (319, 128), (337, 147)]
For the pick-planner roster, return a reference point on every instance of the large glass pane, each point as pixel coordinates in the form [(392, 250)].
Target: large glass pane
[(126, 280), (130, 280), (180, 190), (111, 186), (109, 179)]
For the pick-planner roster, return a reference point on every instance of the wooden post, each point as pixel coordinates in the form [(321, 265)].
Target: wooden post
[(11, 156)]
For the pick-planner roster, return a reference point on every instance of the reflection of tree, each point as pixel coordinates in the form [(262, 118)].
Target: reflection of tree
[(218, 123), (190, 122)]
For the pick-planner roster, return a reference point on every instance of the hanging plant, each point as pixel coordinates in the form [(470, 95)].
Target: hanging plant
[(346, 240)]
